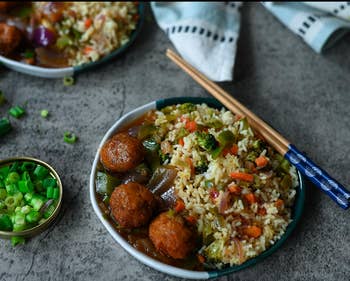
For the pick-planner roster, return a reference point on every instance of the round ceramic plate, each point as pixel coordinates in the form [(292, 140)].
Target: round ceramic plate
[(70, 71), (126, 119)]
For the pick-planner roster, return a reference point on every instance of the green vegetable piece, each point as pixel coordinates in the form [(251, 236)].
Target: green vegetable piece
[(2, 205), (16, 111), (201, 167), (4, 171), (33, 216), (5, 126), (49, 182), (56, 193), (19, 218), (37, 202), (5, 222), (3, 193), (10, 202), (44, 113), (182, 133), (146, 131), (17, 240), (68, 81), (49, 211), (226, 138), (207, 233), (106, 183), (214, 250), (285, 166), (206, 141), (12, 177), (28, 197), (244, 125), (11, 189), (14, 167), (19, 227), (49, 192), (63, 41), (69, 137), (26, 209), (286, 182), (187, 107), (27, 167), (208, 184), (41, 172), (2, 98), (28, 54), (217, 151)]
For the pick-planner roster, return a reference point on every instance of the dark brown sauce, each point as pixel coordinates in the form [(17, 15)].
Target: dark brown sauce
[(138, 237)]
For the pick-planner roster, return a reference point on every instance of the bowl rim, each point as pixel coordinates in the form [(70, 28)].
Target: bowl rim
[(165, 268), (40, 227), (57, 72)]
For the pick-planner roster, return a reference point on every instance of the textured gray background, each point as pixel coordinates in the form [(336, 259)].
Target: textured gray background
[(302, 94)]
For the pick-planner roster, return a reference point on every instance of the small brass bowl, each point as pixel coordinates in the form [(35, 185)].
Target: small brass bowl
[(41, 227)]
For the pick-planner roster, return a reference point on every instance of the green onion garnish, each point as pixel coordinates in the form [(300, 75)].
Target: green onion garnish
[(16, 111), (5, 126), (2, 98), (44, 113), (70, 137), (68, 81), (16, 240)]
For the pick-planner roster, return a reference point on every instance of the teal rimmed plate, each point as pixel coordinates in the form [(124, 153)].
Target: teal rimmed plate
[(46, 72), (172, 270)]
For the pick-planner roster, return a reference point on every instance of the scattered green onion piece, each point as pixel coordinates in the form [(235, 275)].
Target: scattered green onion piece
[(28, 197), (25, 186), (39, 186), (68, 81), (2, 205), (12, 177), (5, 126), (63, 41), (40, 172), (16, 111), (27, 166), (49, 211), (11, 189), (37, 202), (49, 182), (17, 240), (10, 202), (49, 192), (2, 98), (3, 193), (55, 193), (44, 113), (19, 227), (14, 167), (26, 209), (19, 219), (4, 171), (69, 137)]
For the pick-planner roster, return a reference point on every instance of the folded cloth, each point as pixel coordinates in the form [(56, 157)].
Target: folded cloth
[(319, 29), (204, 33)]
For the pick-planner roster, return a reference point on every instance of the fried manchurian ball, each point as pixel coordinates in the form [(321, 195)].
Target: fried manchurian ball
[(121, 153), (10, 38), (132, 205), (171, 236)]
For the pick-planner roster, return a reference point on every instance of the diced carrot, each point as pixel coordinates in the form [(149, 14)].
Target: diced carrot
[(190, 163), (253, 231), (261, 161), (180, 206), (191, 126), (87, 50), (262, 211), (242, 176), (251, 198), (279, 203), (87, 23), (201, 258), (234, 149), (191, 219), (181, 142), (235, 189)]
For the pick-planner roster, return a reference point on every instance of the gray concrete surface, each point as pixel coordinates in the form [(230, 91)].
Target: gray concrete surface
[(302, 94)]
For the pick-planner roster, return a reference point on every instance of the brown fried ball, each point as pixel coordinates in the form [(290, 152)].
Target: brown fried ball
[(171, 236), (10, 38), (132, 205), (121, 153)]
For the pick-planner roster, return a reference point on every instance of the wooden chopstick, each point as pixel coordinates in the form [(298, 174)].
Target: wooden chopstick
[(318, 176), (268, 133)]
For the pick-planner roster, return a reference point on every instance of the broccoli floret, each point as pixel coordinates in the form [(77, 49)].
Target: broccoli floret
[(201, 167), (187, 107), (206, 141)]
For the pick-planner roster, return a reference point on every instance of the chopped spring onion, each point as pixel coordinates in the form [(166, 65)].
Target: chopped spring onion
[(69, 137), (16, 111), (68, 81), (5, 126), (44, 113), (2, 98), (28, 54), (16, 240)]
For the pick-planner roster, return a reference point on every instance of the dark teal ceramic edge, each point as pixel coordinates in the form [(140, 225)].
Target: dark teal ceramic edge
[(117, 52), (296, 212)]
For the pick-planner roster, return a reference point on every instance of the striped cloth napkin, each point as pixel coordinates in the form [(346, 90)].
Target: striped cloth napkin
[(319, 24), (204, 33)]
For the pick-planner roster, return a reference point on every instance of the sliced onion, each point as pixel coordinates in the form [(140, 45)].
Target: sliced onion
[(43, 37), (162, 180)]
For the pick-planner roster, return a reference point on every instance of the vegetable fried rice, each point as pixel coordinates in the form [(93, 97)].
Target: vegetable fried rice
[(236, 188), (88, 31)]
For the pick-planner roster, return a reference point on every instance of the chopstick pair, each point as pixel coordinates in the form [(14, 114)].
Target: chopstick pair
[(309, 169)]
